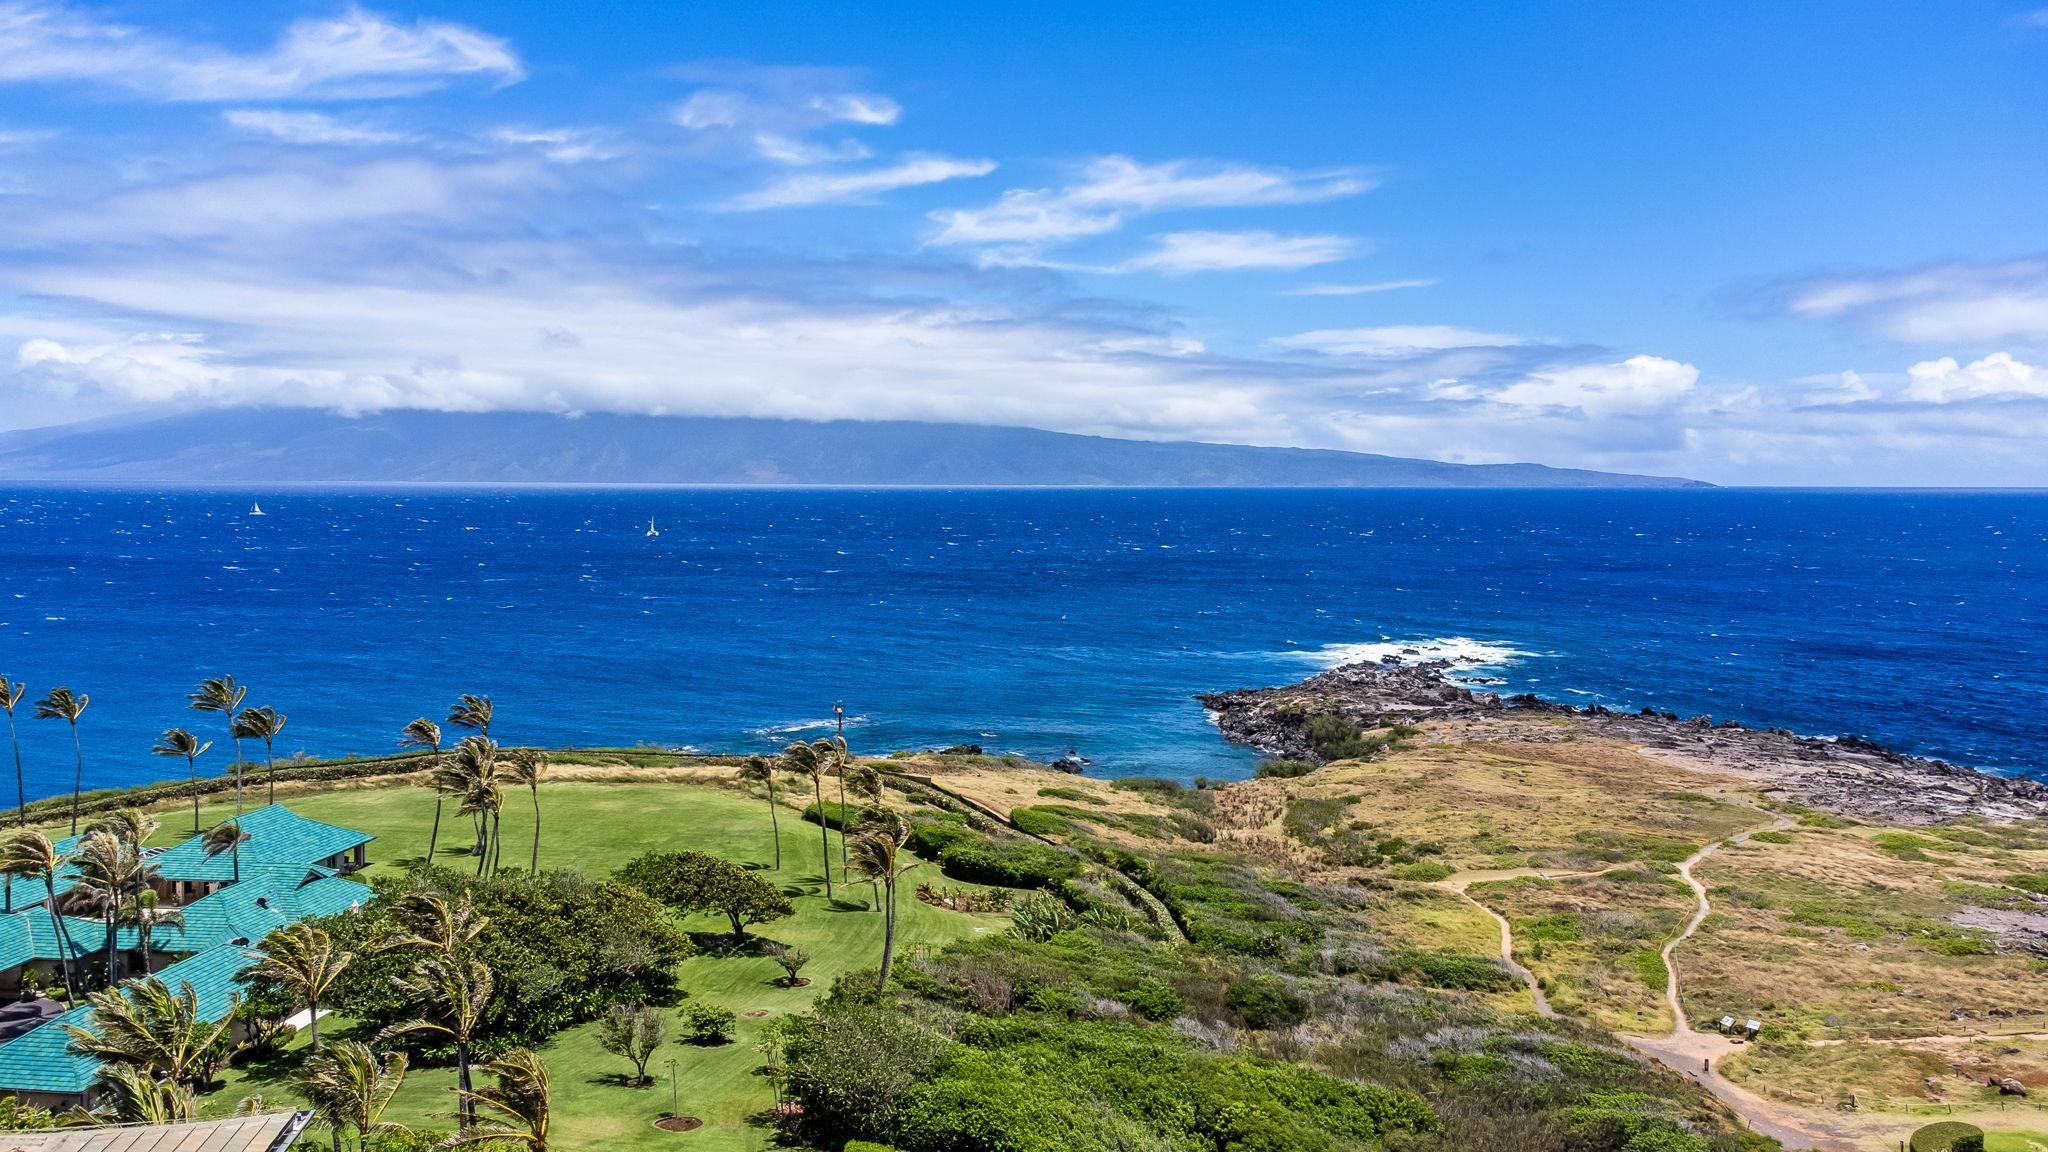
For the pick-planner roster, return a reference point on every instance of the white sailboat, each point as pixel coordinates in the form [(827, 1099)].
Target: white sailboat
[(651, 529), (257, 510)]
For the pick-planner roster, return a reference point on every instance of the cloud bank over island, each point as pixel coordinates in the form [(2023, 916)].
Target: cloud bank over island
[(365, 212)]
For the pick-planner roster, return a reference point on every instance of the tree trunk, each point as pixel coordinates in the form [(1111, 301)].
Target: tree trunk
[(270, 769), (20, 785), (824, 835), (888, 939), (63, 935), (465, 1108), (192, 768), (313, 1020), (435, 835), (238, 765), (78, 777), (842, 818), (113, 956), (774, 824), (533, 869)]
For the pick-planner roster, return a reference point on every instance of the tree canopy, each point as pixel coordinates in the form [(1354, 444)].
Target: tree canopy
[(700, 882)]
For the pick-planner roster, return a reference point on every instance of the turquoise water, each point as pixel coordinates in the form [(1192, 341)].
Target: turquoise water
[(1029, 621)]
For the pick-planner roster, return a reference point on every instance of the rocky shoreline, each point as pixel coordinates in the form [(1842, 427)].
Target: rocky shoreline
[(1849, 776)]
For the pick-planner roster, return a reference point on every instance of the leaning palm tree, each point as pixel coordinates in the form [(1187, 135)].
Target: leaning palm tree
[(29, 855), (110, 873), (842, 763), (474, 773), (151, 1028), (303, 958), (226, 836), (815, 760), (424, 733), (131, 826), (519, 1106), (13, 692), (136, 1096), (447, 981), (526, 766), (178, 742), (878, 853), (66, 705), (760, 770), (263, 724), (148, 914), (221, 694), (473, 712), (349, 1088)]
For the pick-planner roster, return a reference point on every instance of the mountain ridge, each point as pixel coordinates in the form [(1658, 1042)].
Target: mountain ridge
[(243, 445)]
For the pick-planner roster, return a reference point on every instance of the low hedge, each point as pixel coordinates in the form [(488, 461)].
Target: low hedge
[(1948, 1136), (984, 861)]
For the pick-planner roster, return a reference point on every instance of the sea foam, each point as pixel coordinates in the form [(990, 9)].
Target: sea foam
[(1462, 652)]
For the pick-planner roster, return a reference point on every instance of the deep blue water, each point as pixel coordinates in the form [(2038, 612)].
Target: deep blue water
[(1032, 621)]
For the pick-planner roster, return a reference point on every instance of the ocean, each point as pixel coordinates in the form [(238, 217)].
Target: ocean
[(1027, 621)]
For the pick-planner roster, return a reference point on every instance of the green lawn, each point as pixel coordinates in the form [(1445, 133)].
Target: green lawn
[(2016, 1142), (594, 828)]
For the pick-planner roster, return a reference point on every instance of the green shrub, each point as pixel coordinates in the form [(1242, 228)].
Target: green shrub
[(1947, 1136), (1264, 1004), (984, 861), (1040, 917), (1041, 820), (931, 834), (1155, 1001), (707, 1024), (1445, 969), (1283, 769), (1649, 967), (1423, 870), (2035, 882), (866, 1146), (834, 814), (1770, 837), (1074, 794)]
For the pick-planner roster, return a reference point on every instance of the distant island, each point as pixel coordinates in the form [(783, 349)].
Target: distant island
[(272, 445)]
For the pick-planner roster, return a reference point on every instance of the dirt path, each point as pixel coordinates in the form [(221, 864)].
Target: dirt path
[(1697, 1055), (1464, 880)]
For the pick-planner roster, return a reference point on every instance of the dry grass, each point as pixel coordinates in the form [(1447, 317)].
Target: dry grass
[(1594, 940)]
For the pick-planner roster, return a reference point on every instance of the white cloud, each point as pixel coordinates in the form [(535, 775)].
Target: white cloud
[(1943, 304), (357, 54), (561, 145), (1180, 252), (150, 367), (1109, 190), (862, 185), (800, 153), (1401, 340), (2038, 18), (1637, 385), (314, 128), (1996, 376), (1357, 289), (858, 108)]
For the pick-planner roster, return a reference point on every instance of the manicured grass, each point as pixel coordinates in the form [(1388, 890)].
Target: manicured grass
[(594, 828), (2016, 1142)]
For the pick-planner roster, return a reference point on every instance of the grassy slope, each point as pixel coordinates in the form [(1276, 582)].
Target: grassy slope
[(595, 827)]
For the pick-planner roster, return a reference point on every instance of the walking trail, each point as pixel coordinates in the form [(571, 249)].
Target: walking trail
[(1695, 1055)]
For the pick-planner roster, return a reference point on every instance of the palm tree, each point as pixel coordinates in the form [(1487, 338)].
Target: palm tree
[(473, 773), (471, 712), (226, 836), (178, 742), (154, 1030), (876, 854), (814, 760), (29, 855), (144, 911), (140, 1098), (761, 770), (528, 765), (519, 1104), (13, 692), (424, 733), (447, 981), (221, 694), (350, 1088), (63, 704), (263, 724), (303, 958), (110, 873)]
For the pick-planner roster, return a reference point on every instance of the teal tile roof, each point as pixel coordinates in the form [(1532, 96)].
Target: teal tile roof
[(32, 935), (269, 897), (276, 835), (42, 1060)]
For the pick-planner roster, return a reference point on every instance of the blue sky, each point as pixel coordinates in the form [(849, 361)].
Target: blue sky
[(1754, 243)]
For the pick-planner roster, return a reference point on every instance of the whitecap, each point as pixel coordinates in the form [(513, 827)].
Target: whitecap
[(1459, 651), (803, 726)]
